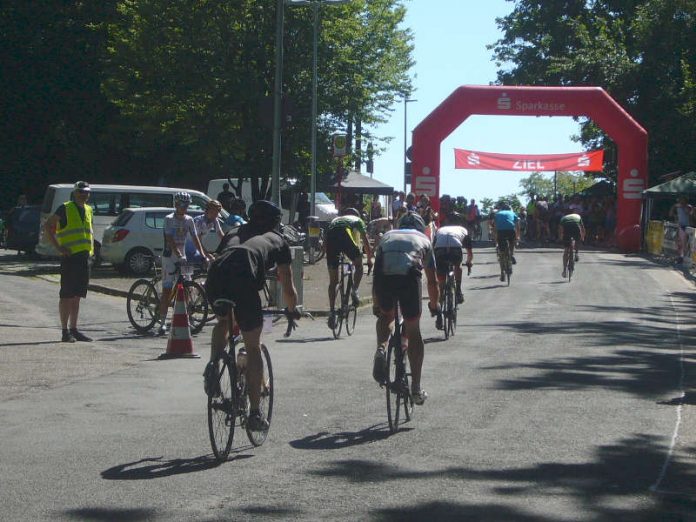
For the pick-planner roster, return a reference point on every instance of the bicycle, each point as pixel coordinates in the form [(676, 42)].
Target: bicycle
[(505, 259), (347, 312), (398, 391), (570, 265), (448, 303), (143, 301), (228, 405)]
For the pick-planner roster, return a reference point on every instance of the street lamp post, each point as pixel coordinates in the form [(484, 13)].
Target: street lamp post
[(406, 101), (277, 99), (316, 4)]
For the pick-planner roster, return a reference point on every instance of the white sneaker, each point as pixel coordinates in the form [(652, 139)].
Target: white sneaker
[(419, 396)]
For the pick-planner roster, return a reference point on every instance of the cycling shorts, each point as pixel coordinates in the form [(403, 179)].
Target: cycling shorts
[(169, 276), (228, 282), (506, 235), (74, 275), (570, 231), (339, 240), (406, 289), (445, 256)]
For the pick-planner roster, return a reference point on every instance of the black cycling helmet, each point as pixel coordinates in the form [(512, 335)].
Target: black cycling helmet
[(411, 220), (350, 211), (264, 214), (504, 205)]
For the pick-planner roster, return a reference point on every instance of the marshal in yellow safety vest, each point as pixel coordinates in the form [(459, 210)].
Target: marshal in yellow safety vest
[(77, 234)]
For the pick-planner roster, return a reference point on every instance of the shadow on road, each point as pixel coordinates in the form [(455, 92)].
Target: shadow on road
[(105, 514), (158, 467), (325, 440)]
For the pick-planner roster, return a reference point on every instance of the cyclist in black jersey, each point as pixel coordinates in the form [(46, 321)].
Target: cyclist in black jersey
[(238, 274)]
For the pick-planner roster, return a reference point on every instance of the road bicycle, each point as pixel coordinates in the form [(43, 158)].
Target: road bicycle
[(448, 303), (143, 301), (347, 312), (398, 390), (570, 265), (228, 393), (505, 259)]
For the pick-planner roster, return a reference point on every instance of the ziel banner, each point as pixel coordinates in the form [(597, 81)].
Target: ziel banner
[(473, 159)]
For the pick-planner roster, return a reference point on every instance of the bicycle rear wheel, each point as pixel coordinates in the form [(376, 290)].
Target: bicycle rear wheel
[(142, 305), (196, 305), (444, 310), (222, 414), (266, 404), (397, 391), (338, 323), (451, 317)]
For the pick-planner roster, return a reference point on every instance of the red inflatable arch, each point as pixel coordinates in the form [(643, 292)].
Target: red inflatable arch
[(592, 102)]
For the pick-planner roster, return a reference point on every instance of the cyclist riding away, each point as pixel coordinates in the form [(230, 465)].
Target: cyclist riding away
[(448, 216), (401, 257), (340, 238), (570, 227), (473, 217), (178, 226), (449, 243), (238, 274), (507, 228)]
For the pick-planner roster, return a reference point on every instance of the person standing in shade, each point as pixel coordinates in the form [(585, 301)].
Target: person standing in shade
[(70, 231), (225, 197), (681, 212)]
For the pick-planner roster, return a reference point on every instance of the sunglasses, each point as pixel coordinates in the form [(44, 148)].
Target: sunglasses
[(83, 191)]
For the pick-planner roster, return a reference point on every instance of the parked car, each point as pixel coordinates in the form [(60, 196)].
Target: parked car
[(136, 238), (107, 202), (22, 228)]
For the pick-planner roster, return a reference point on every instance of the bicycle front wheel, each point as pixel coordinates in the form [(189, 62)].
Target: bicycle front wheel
[(350, 311), (142, 305), (266, 404), (222, 414), (196, 305)]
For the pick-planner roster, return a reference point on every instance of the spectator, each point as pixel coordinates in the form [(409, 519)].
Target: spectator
[(375, 209), (303, 210), (225, 197), (681, 213), (411, 202), (397, 203), (70, 231)]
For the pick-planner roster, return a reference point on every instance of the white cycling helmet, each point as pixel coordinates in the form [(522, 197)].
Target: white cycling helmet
[(182, 199)]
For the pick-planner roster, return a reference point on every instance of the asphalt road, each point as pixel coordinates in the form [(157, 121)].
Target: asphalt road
[(555, 401)]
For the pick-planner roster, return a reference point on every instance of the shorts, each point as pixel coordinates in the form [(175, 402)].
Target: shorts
[(74, 275), (406, 289), (506, 235), (339, 240), (570, 231), (169, 275), (227, 283), (443, 256)]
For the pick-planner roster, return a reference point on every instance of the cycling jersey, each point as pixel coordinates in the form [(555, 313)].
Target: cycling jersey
[(402, 252), (179, 228), (452, 236), (348, 222), (203, 227), (505, 220), (340, 237)]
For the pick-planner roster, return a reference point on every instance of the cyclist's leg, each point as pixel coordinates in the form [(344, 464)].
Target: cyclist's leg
[(333, 281), (410, 301), (333, 253), (167, 285), (250, 318), (385, 301)]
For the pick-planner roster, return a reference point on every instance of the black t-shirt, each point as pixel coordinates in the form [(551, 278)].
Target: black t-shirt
[(62, 214), (250, 255)]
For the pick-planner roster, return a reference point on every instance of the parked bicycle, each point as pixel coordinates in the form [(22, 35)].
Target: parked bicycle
[(228, 404), (398, 390), (142, 303), (347, 312)]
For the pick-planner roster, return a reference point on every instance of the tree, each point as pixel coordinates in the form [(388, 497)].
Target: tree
[(567, 183), (640, 51)]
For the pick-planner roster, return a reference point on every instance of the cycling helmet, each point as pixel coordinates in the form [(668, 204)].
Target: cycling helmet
[(504, 205), (350, 211), (182, 198), (264, 214), (213, 204), (413, 221)]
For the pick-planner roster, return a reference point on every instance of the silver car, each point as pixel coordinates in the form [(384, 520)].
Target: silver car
[(136, 238)]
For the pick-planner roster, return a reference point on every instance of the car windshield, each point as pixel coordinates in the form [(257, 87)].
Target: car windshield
[(322, 198)]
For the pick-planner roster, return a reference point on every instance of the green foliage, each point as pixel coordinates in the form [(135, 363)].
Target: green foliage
[(542, 184), (640, 51), (486, 205)]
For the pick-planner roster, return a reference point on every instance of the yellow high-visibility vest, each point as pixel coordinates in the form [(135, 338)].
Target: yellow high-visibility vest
[(77, 234)]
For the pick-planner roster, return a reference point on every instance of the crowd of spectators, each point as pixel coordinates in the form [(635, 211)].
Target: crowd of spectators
[(541, 217)]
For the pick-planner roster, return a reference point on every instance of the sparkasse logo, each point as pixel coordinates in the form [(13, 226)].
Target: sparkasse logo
[(504, 102)]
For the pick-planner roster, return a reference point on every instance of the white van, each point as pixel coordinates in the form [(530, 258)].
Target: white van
[(107, 202), (325, 208)]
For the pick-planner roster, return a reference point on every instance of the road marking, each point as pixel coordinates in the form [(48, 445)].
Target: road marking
[(655, 488)]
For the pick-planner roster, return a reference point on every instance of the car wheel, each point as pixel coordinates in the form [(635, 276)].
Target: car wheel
[(139, 261)]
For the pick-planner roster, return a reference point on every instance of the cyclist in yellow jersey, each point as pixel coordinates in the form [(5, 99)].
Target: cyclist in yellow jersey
[(341, 238)]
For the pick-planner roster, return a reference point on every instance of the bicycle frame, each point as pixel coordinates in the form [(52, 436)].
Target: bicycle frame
[(398, 388)]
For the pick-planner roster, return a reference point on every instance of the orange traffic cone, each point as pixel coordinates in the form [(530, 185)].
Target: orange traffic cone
[(180, 343)]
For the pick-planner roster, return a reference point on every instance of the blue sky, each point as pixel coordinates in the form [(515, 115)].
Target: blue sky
[(450, 39)]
